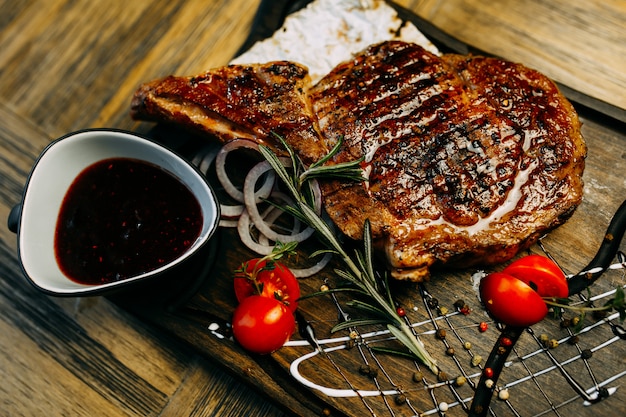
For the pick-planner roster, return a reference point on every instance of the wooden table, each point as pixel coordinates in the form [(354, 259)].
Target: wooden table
[(66, 66)]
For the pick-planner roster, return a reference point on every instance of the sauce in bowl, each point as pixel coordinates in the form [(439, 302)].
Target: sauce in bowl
[(122, 217)]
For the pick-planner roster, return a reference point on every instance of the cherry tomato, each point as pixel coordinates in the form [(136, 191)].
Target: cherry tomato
[(512, 301), (514, 296), (275, 279), (541, 273), (262, 324)]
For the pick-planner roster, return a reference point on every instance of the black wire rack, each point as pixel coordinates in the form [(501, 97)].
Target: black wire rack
[(555, 368)]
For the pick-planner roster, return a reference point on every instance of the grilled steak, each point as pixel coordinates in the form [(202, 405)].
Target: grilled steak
[(468, 159), (238, 101)]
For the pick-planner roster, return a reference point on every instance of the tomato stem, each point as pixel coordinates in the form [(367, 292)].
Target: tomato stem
[(573, 308)]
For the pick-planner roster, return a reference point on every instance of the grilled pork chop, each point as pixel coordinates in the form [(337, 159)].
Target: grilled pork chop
[(468, 159)]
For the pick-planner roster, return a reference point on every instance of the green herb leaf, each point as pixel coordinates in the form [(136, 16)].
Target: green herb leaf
[(360, 270), (356, 323)]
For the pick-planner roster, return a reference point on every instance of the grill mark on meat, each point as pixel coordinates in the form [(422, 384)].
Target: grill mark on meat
[(403, 100), (467, 159)]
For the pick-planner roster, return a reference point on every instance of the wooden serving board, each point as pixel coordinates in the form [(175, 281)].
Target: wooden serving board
[(196, 304)]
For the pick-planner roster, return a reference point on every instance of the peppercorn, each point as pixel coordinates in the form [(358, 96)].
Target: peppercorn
[(459, 304), (418, 376), (441, 334), (503, 394), (432, 302), (460, 380), (505, 341), (573, 340), (483, 326), (586, 354), (400, 399), (476, 360), (369, 371), (552, 344), (467, 345), (450, 351)]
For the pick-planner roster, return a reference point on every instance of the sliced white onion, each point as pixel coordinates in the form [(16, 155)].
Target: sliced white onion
[(231, 224), (264, 246), (252, 208), (209, 157), (272, 214), (307, 272), (220, 166), (245, 234), (204, 157), (234, 211), (258, 230)]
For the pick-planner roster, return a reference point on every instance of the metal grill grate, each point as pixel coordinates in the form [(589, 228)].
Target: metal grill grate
[(536, 380)]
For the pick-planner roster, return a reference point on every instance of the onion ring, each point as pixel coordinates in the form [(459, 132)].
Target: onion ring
[(257, 230), (255, 216), (235, 210), (307, 272), (243, 228), (228, 223), (220, 167)]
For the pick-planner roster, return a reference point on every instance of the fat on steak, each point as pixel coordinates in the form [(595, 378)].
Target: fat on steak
[(468, 159)]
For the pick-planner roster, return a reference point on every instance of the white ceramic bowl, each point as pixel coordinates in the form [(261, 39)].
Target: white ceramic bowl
[(35, 219)]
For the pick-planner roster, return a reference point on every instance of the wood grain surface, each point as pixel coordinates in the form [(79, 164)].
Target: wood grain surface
[(69, 65), (577, 43)]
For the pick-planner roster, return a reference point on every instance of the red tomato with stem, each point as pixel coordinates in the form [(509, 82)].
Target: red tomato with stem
[(514, 296), (512, 301), (273, 279), (262, 324), (541, 273)]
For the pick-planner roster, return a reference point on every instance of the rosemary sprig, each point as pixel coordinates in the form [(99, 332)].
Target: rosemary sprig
[(360, 270)]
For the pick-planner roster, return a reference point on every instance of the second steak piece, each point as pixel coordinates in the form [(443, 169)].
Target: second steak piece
[(468, 159)]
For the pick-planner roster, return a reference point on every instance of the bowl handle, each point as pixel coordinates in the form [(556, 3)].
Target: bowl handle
[(14, 218)]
